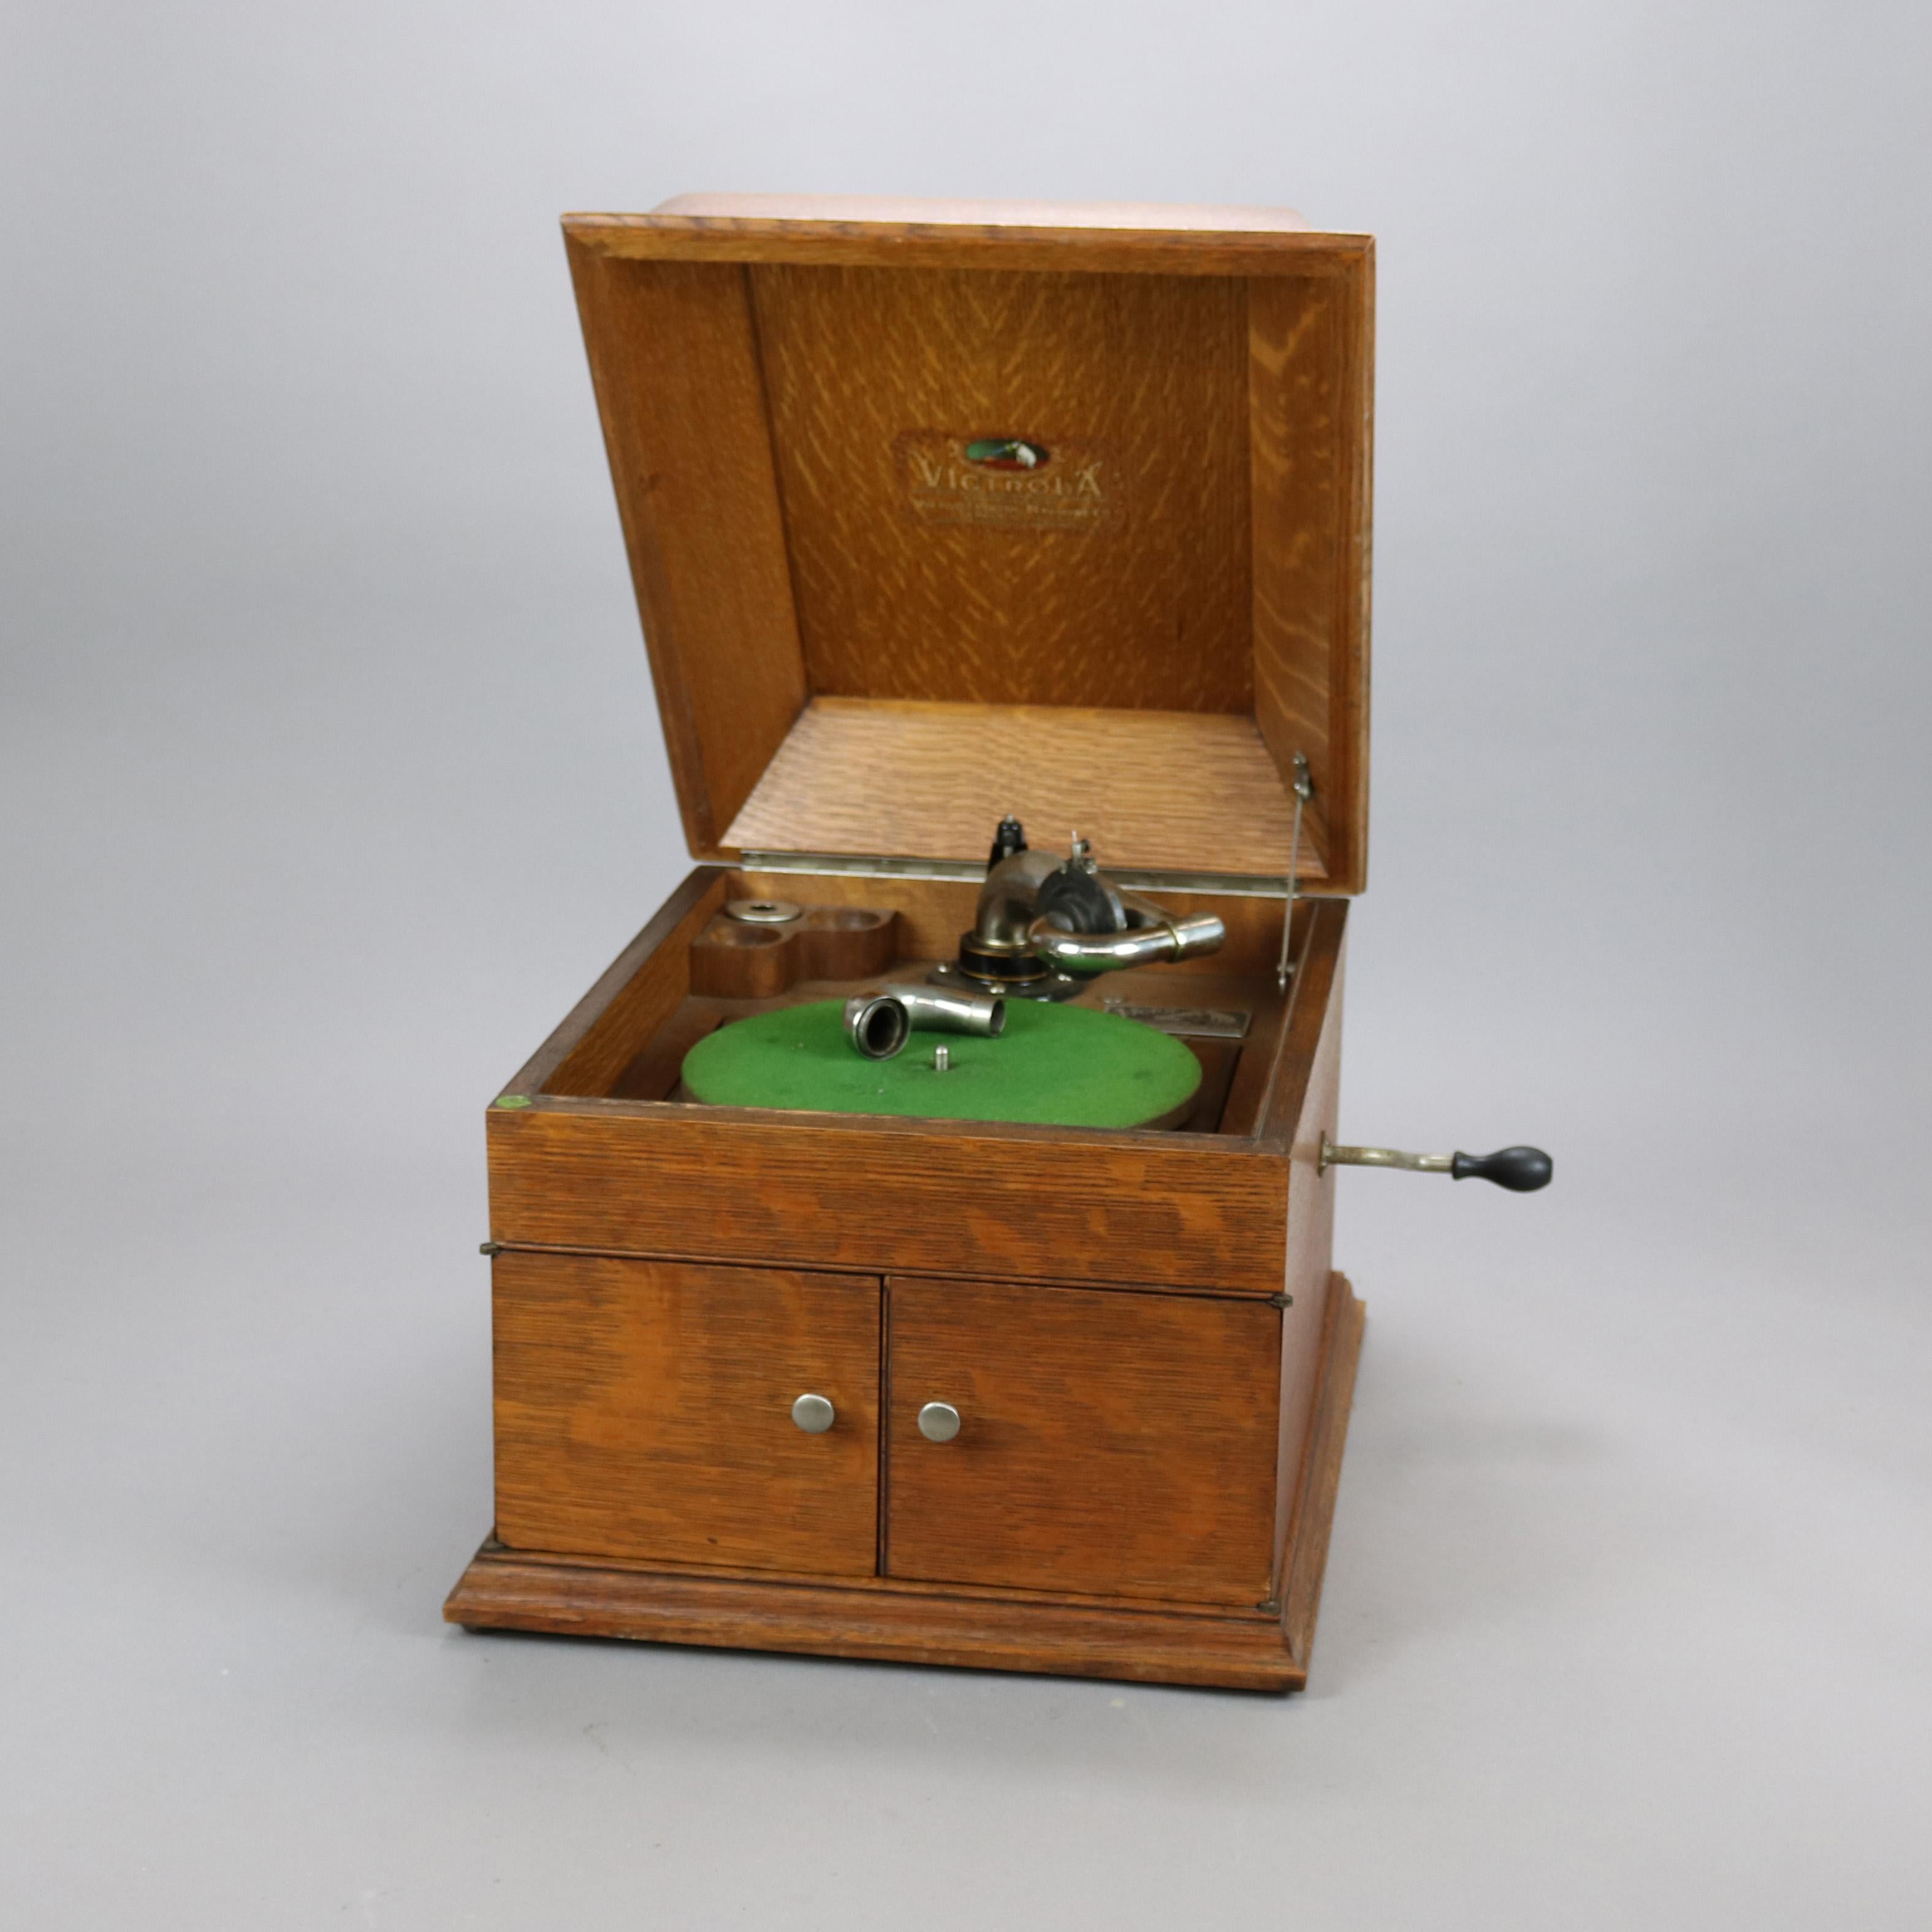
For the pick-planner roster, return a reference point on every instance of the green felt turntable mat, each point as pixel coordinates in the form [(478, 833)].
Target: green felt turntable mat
[(1054, 1066)]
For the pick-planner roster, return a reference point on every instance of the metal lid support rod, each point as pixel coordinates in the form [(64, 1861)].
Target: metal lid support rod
[(1304, 790)]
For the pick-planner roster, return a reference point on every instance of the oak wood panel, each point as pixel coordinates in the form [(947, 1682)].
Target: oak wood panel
[(1228, 410), (733, 958), (913, 1586), (1278, 1040), (644, 1408), (1311, 1243), (1310, 348), (1308, 1562), (1219, 1058), (995, 245), (657, 1072), (1175, 791), (877, 1194), (932, 912), (1314, 995), (978, 587), (696, 896), (928, 210), (908, 1622), (674, 358), (644, 1001), (1085, 1287), (1113, 1443), (502, 1590)]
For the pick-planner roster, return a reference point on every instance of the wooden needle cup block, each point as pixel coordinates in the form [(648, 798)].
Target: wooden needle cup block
[(743, 959), (938, 513)]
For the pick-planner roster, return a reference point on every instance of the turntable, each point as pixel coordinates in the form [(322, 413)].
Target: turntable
[(916, 1245)]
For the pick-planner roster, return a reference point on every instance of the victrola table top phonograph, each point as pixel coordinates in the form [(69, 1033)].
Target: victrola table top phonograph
[(916, 1245)]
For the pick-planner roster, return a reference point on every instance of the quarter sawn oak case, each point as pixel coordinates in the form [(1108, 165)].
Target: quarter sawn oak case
[(866, 651)]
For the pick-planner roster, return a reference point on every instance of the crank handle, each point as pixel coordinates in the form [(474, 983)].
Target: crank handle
[(1522, 1170)]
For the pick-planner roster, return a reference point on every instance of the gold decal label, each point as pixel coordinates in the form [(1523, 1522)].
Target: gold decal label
[(1003, 482)]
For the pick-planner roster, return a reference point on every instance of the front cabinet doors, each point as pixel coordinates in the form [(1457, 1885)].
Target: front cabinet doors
[(1111, 1444), (644, 1410), (1108, 1443)]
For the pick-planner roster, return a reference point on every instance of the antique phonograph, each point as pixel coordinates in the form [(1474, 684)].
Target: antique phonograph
[(916, 1245)]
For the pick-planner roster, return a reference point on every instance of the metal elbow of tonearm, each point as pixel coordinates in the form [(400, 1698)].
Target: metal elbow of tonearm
[(1155, 943), (878, 1025), (1043, 925)]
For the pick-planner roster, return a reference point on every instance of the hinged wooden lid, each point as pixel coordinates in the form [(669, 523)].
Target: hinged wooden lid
[(940, 511)]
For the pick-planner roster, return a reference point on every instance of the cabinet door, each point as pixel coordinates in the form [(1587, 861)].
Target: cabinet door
[(644, 1409), (1108, 1443)]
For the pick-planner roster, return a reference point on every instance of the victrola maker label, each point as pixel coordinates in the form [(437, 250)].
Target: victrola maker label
[(1013, 482)]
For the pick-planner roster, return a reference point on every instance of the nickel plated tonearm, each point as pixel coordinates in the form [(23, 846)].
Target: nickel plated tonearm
[(1046, 925)]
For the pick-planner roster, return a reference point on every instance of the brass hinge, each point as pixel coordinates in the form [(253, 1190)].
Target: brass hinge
[(1281, 1301), (1272, 1605), (491, 1248)]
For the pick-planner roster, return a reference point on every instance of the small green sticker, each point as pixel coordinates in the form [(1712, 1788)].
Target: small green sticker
[(515, 1100), (1006, 452)]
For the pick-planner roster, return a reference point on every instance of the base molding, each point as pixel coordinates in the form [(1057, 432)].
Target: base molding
[(516, 1590)]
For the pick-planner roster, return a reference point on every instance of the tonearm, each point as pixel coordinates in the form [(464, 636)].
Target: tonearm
[(1046, 925)]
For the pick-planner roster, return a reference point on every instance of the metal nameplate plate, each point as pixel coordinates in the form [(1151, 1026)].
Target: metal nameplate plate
[(1203, 1022)]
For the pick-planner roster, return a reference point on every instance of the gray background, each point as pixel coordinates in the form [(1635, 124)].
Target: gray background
[(331, 778)]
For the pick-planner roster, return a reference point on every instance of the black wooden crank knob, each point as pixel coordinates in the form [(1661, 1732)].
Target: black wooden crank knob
[(1522, 1170)]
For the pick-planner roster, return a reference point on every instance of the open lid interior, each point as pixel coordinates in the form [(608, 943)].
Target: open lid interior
[(939, 512)]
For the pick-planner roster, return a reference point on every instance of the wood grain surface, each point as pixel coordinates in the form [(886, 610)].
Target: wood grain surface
[(1186, 791), (927, 211), (1311, 1242), (1315, 1516), (873, 1195), (644, 1001), (633, 993), (1136, 388), (913, 1586), (1123, 1443), (1310, 393), (767, 387), (1321, 934), (503, 1590), (662, 1177), (734, 959), (644, 1408), (913, 1623), (989, 245), (674, 360)]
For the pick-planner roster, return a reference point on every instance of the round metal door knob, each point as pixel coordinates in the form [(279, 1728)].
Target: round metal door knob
[(814, 1414), (939, 1422)]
